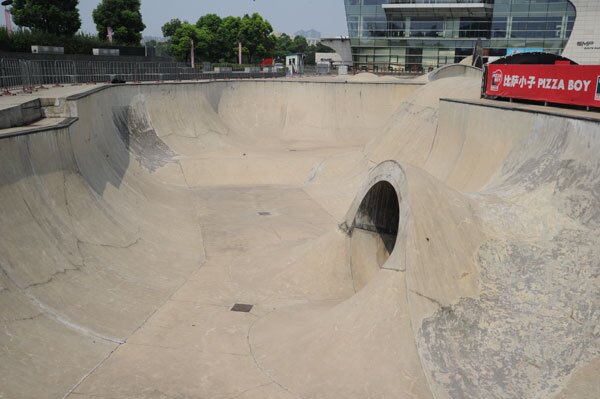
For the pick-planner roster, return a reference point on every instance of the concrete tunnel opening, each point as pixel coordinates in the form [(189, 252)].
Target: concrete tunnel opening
[(374, 232)]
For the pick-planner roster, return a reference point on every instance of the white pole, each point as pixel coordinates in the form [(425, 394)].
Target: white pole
[(240, 53), (193, 55), (8, 22)]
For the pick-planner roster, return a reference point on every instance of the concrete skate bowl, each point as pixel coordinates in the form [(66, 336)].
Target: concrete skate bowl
[(129, 235)]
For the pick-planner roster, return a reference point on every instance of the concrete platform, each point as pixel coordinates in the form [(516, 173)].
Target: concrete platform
[(391, 244)]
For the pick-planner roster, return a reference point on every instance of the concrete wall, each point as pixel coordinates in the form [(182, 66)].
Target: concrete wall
[(21, 114), (342, 47)]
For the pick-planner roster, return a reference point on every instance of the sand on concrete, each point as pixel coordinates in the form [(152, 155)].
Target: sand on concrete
[(128, 236)]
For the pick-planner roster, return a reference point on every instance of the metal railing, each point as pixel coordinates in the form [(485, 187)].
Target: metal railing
[(27, 75)]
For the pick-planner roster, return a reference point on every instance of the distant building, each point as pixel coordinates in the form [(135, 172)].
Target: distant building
[(312, 36), (419, 34), (333, 58)]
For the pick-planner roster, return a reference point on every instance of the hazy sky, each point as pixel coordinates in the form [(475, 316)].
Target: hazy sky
[(289, 16)]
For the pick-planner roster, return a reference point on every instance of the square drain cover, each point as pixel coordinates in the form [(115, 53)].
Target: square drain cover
[(241, 307)]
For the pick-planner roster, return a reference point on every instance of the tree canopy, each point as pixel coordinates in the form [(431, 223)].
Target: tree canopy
[(255, 35), (216, 39), (123, 16), (59, 17), (181, 41), (170, 27)]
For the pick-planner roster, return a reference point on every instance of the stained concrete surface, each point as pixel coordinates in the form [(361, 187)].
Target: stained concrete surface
[(128, 236)]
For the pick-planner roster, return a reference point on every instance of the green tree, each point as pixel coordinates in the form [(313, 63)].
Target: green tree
[(58, 17), (216, 39), (181, 41), (255, 35), (123, 16), (312, 50), (283, 46), (170, 27), (210, 21), (209, 27), (300, 44), (229, 37)]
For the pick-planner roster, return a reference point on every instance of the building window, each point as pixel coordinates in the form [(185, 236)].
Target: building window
[(499, 27)]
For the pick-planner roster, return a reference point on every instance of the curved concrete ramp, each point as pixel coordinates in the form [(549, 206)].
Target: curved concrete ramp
[(455, 70), (391, 244)]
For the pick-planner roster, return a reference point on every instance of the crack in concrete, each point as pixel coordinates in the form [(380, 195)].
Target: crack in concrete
[(441, 305), (76, 267), (189, 349), (88, 395), (100, 363), (9, 321), (68, 208), (435, 138), (572, 317), (52, 276), (63, 271), (430, 299), (184, 176), (201, 303), (142, 324), (126, 246), (251, 389), (262, 370)]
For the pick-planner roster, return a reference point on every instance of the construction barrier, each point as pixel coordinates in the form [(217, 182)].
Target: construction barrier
[(29, 75)]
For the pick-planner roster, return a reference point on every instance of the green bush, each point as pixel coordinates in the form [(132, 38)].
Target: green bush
[(21, 41), (233, 66)]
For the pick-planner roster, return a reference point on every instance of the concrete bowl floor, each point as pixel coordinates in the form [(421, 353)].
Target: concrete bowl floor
[(389, 243)]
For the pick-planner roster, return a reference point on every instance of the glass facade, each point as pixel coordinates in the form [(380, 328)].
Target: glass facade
[(419, 35)]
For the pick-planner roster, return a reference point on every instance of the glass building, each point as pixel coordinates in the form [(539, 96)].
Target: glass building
[(419, 35)]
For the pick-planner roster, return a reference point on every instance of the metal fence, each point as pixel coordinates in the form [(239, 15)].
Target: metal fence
[(28, 75)]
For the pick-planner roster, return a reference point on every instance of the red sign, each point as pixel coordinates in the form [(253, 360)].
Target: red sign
[(564, 84), (266, 62)]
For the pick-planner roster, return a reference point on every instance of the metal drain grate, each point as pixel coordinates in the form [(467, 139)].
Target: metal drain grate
[(264, 213), (241, 307)]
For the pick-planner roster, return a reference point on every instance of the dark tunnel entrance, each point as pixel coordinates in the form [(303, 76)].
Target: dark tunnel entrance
[(379, 213), (374, 232)]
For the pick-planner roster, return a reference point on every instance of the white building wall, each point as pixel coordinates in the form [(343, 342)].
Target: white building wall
[(341, 45), (584, 44), (333, 57)]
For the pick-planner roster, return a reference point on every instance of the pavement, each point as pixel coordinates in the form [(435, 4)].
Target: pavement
[(394, 240), (50, 91)]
